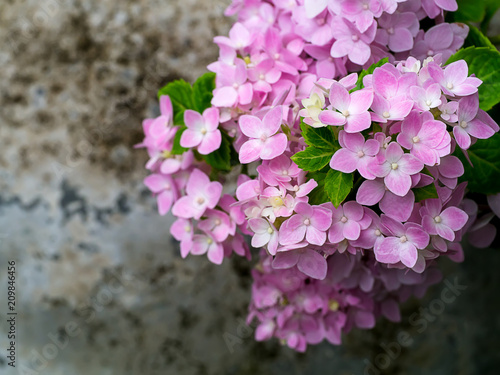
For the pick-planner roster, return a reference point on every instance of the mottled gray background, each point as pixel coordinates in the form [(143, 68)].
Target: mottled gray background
[(93, 255)]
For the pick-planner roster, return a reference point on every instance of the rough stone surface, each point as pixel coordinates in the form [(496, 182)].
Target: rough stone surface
[(94, 259)]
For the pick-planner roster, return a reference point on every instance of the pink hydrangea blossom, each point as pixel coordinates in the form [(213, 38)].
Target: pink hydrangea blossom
[(202, 130), (265, 142), (397, 168), (350, 110), (355, 154), (444, 223), (310, 222), (401, 243), (201, 195)]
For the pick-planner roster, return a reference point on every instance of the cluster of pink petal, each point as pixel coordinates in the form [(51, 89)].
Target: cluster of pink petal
[(355, 292), (422, 111), (328, 269), (278, 44), (207, 222)]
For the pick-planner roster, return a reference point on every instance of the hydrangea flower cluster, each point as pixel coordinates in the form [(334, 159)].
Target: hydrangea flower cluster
[(355, 292), (347, 183)]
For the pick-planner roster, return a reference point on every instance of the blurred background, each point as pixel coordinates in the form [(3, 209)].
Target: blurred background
[(101, 287)]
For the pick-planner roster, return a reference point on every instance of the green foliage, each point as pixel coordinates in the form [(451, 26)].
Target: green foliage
[(322, 145), (359, 83), (319, 137), (313, 159), (475, 11), (181, 95), (177, 149), (202, 92), (318, 195), (485, 64), (338, 185), (484, 176), (477, 39), (426, 192)]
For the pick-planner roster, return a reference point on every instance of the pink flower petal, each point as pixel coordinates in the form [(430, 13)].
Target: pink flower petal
[(351, 230), (339, 97), (361, 100), (329, 117), (397, 182), (252, 126), (370, 192), (315, 236), (210, 142), (344, 160), (273, 147), (358, 123), (286, 259), (312, 264), (250, 151)]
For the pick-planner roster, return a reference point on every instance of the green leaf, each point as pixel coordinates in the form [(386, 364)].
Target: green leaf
[(318, 195), (220, 159), (476, 38), (181, 95), (491, 8), (470, 11), (485, 64), (177, 149), (370, 70), (319, 137), (484, 176), (338, 185), (179, 118), (312, 158), (426, 192), (202, 92)]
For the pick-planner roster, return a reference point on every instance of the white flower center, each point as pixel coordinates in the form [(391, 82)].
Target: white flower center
[(276, 201), (307, 222), (416, 139), (345, 113), (428, 102), (218, 222), (463, 124), (209, 241), (403, 239), (394, 166), (344, 219), (355, 38), (390, 30), (361, 154), (449, 85), (235, 85), (270, 230), (386, 114), (263, 137), (438, 219), (200, 200), (284, 173), (378, 232), (430, 52), (167, 186), (262, 77), (187, 229), (203, 131)]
